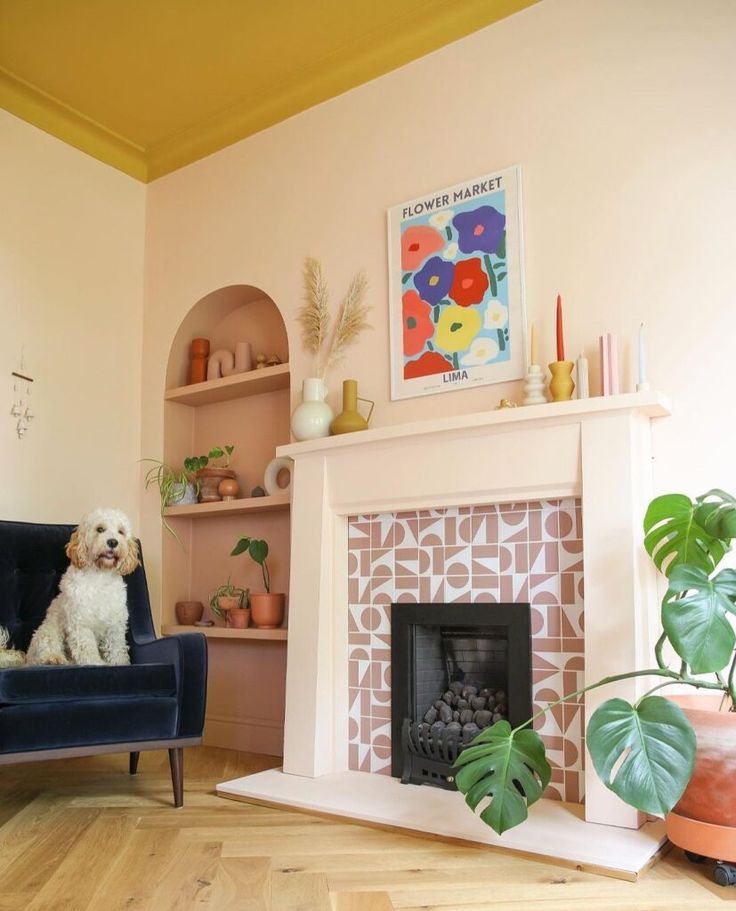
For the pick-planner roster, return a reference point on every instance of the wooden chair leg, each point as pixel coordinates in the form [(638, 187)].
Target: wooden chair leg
[(176, 761), (133, 766)]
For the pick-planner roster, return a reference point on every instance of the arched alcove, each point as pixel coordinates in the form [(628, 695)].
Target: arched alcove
[(247, 668)]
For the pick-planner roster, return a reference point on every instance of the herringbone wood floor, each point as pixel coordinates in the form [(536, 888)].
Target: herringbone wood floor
[(81, 835)]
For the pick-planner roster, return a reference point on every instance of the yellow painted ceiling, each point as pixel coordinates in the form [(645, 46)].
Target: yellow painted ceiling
[(151, 85)]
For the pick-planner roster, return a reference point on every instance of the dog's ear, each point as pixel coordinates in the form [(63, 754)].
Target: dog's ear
[(76, 549), (132, 558)]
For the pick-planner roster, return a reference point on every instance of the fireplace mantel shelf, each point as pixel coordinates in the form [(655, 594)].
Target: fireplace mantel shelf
[(650, 404)]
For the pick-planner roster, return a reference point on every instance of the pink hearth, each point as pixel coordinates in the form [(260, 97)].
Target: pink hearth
[(431, 510)]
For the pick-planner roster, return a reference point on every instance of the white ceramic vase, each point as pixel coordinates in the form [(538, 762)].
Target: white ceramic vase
[(311, 420)]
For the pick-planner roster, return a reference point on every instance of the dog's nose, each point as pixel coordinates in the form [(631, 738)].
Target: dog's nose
[(112, 542)]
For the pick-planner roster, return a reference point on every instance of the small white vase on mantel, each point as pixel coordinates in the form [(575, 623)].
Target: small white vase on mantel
[(311, 420)]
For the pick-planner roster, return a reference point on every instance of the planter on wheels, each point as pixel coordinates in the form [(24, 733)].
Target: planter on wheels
[(703, 822)]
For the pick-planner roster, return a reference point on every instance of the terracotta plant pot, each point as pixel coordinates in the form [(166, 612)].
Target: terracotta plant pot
[(188, 612), (239, 617), (268, 610), (209, 480), (704, 820), (229, 602)]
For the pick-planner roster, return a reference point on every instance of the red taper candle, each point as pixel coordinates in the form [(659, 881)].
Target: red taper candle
[(560, 339)]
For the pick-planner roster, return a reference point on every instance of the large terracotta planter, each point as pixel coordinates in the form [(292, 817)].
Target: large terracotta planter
[(704, 820), (209, 481), (267, 610)]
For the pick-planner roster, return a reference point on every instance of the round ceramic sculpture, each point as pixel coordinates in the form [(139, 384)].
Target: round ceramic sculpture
[(228, 488), (189, 612), (267, 609), (311, 420), (271, 476)]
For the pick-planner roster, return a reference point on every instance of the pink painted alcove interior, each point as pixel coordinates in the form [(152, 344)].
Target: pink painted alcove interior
[(246, 680)]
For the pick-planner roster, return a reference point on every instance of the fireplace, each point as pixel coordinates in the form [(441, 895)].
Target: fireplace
[(456, 669)]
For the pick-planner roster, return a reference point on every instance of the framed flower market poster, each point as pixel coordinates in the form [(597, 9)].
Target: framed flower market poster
[(456, 290)]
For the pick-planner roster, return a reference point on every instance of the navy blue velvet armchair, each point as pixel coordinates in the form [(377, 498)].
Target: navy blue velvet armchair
[(156, 702)]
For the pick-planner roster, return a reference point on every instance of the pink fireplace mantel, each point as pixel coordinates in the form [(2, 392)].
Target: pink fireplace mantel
[(597, 449)]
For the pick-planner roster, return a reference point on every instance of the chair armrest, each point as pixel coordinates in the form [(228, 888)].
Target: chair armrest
[(188, 653)]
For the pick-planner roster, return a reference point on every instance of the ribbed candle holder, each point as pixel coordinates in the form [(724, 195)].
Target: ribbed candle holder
[(561, 386), (534, 387)]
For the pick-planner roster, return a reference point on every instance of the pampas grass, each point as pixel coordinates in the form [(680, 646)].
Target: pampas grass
[(315, 317)]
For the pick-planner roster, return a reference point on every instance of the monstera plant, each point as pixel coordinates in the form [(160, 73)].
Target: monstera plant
[(644, 752)]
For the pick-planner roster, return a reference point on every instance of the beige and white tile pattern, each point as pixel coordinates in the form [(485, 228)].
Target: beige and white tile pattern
[(524, 552)]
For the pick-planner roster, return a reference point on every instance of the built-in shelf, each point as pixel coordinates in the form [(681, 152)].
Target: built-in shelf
[(226, 632), (254, 382), (229, 507)]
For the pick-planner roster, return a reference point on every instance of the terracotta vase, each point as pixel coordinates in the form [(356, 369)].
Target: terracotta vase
[(239, 618), (209, 482), (200, 353), (704, 820), (188, 612), (267, 610)]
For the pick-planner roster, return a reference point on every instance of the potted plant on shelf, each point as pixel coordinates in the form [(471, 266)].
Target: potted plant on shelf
[(231, 603), (210, 470), (267, 607), (653, 754), (175, 488)]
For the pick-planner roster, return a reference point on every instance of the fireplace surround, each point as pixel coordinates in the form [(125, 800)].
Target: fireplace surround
[(596, 449)]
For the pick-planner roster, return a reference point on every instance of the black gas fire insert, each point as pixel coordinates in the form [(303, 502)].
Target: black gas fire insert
[(455, 669)]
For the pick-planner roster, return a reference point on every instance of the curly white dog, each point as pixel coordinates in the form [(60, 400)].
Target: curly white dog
[(86, 623)]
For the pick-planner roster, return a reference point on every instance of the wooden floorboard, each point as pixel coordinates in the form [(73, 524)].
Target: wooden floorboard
[(83, 835)]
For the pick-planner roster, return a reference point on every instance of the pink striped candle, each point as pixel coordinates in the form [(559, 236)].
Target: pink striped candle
[(610, 382)]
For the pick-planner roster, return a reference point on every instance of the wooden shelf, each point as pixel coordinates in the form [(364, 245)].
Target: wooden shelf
[(229, 507), (225, 632), (254, 382)]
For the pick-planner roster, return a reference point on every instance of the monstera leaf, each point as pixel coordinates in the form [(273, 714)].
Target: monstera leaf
[(716, 513), (695, 617), (674, 535), (508, 766), (657, 744)]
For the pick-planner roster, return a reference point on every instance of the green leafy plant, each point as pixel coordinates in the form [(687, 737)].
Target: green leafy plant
[(644, 752), (219, 456), (258, 551), (172, 487), (228, 591)]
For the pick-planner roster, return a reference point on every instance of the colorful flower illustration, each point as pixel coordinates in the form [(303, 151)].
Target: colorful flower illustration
[(456, 328), (470, 282), (418, 325), (429, 363), (496, 315), (434, 279), (441, 219), (480, 229), (450, 251), (417, 243), (482, 350)]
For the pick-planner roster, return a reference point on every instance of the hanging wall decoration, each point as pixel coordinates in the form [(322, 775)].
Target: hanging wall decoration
[(456, 289), (21, 409)]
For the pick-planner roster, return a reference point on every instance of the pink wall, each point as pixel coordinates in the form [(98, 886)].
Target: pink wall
[(620, 114)]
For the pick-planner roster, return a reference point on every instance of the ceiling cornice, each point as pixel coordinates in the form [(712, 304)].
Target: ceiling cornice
[(356, 62)]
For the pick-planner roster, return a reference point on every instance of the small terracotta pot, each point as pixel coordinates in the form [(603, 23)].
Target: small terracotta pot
[(268, 610), (239, 618), (188, 612), (209, 480), (229, 602)]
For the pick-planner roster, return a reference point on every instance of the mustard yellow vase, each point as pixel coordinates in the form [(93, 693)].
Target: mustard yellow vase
[(350, 419), (561, 385)]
